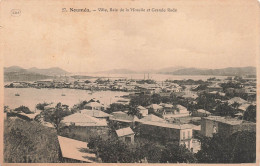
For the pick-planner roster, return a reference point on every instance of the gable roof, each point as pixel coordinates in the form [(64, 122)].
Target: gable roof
[(80, 119), (237, 99), (124, 132), (155, 106), (95, 113), (72, 149), (153, 118), (94, 104)]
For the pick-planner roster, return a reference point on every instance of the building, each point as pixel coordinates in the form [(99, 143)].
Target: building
[(155, 107), (179, 111), (81, 119), (153, 118), (83, 126), (237, 100), (143, 111), (95, 113), (75, 151), (94, 106), (224, 126), (214, 87), (123, 118), (166, 132), (126, 135), (201, 113)]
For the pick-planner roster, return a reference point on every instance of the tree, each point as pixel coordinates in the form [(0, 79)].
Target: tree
[(112, 150), (133, 110), (225, 110), (156, 99), (222, 149), (250, 114), (116, 107), (56, 116), (143, 100), (41, 106), (174, 153), (23, 109)]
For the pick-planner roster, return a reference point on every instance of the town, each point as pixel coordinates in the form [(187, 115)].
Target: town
[(171, 121)]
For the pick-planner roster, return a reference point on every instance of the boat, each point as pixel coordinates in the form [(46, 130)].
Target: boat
[(17, 94), (63, 94)]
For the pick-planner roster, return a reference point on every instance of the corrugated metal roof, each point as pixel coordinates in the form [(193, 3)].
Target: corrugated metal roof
[(80, 119), (73, 149)]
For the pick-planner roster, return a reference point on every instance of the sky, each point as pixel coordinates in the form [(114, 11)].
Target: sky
[(202, 34)]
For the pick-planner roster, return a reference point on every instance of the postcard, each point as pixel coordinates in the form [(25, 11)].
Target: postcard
[(140, 82)]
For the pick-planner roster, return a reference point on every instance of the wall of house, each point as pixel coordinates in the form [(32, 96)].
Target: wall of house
[(82, 133), (208, 127), (159, 133)]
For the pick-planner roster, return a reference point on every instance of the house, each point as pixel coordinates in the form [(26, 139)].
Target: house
[(224, 126), (83, 126), (214, 87), (201, 113), (155, 107), (190, 96), (143, 111), (153, 118), (123, 118), (236, 100), (94, 106), (176, 112), (166, 132), (75, 151), (95, 113), (243, 107), (81, 119), (126, 135)]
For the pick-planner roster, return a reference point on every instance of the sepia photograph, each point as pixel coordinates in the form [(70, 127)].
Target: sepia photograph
[(130, 81)]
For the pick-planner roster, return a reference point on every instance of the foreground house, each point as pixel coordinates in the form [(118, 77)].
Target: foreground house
[(75, 151), (80, 119), (83, 126), (224, 126), (126, 135), (166, 132)]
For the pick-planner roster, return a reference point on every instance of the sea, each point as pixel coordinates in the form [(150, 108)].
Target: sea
[(30, 97)]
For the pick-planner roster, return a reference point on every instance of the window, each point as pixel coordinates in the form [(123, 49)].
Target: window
[(183, 135), (188, 134)]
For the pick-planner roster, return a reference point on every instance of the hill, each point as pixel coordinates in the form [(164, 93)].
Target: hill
[(230, 71), (16, 73)]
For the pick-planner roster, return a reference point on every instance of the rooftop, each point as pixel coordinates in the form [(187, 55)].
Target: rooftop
[(80, 119), (124, 132), (77, 150), (95, 113), (227, 120)]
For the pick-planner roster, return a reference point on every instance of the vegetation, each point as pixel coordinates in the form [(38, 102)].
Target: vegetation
[(113, 150), (41, 106), (23, 109), (116, 107), (55, 116), (250, 114), (237, 148), (29, 142)]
